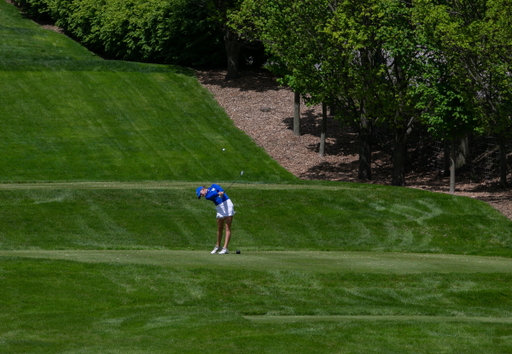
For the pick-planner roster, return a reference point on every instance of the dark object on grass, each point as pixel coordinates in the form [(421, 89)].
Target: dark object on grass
[(237, 251)]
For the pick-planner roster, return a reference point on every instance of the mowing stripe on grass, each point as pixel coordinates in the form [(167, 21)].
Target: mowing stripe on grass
[(98, 185), (301, 319), (304, 261), (162, 185)]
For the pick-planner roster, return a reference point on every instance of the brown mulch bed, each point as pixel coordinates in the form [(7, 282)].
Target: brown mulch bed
[(264, 110)]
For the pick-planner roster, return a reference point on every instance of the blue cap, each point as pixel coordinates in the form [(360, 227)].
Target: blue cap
[(198, 192)]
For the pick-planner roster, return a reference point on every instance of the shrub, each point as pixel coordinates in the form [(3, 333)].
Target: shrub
[(162, 31)]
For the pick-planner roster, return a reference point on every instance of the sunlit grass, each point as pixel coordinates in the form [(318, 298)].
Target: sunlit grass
[(63, 306), (368, 218)]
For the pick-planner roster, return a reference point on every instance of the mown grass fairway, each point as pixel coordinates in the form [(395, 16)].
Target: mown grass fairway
[(111, 303), (305, 261), (104, 247)]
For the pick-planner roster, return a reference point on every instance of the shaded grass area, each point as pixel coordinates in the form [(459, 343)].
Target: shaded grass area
[(22, 39), (349, 218), (62, 306), (369, 318)]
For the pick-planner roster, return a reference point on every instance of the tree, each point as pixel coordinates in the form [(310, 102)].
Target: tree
[(493, 50), (392, 38), (391, 62), (473, 41), (285, 78), (323, 131), (221, 12), (383, 64), (450, 116), (411, 53), (296, 113)]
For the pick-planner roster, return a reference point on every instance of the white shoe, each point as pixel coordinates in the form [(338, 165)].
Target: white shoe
[(224, 251), (215, 250)]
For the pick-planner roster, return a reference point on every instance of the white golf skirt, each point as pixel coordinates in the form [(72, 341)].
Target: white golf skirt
[(225, 209)]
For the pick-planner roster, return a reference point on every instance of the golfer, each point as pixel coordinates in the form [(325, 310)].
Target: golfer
[(225, 212)]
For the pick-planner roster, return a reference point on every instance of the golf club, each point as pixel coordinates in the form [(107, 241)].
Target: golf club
[(241, 174)]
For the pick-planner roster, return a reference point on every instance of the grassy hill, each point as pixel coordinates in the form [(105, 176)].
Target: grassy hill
[(104, 247), (68, 115)]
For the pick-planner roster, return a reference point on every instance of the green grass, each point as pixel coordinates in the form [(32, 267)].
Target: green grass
[(148, 296), (269, 217), (110, 255), (114, 121), (22, 40), (52, 306), (303, 261)]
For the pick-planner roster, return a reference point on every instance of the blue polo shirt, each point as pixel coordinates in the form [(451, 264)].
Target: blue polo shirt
[(213, 194)]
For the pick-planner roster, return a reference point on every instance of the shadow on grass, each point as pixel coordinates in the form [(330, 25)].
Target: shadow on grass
[(92, 66)]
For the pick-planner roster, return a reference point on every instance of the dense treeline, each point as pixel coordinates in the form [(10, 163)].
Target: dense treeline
[(443, 64), (163, 31)]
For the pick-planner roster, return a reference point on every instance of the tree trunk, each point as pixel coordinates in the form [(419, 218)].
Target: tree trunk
[(399, 160), (503, 162), (324, 129), (233, 51), (334, 110), (296, 115), (365, 154), (453, 156), (463, 153), (446, 157)]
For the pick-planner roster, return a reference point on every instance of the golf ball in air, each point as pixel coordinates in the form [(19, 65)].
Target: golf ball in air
[(223, 149)]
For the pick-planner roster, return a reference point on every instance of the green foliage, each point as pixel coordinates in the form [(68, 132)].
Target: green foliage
[(339, 53), (360, 57), (176, 32), (294, 52), (383, 57), (219, 11), (450, 116), (469, 45)]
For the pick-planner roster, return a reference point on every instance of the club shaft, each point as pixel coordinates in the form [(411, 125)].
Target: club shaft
[(233, 183)]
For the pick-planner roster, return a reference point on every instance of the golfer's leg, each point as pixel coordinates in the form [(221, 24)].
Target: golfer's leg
[(229, 219), (220, 227)]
